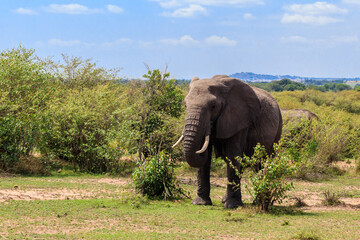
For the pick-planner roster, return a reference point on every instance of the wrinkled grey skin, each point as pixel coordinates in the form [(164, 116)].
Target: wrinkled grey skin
[(297, 115), (293, 120), (237, 116)]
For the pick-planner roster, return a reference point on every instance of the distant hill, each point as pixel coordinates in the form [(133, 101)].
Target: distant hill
[(253, 77)]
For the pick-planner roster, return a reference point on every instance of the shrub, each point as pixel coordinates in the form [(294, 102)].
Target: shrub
[(299, 201), (331, 198), (24, 84), (89, 128), (155, 178), (306, 235), (25, 90), (10, 142), (78, 73), (336, 136), (159, 113), (32, 165), (269, 184)]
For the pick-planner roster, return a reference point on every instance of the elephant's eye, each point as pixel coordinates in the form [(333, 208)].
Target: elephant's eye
[(213, 105)]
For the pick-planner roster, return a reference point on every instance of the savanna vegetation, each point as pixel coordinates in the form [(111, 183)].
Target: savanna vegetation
[(288, 85), (90, 132)]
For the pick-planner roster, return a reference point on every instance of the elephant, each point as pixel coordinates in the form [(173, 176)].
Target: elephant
[(231, 117), (296, 115), (297, 121)]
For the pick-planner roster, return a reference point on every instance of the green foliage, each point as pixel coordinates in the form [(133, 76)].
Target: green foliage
[(23, 82), (281, 85), (155, 178), (161, 94), (288, 85), (357, 166), (348, 101), (24, 91), (78, 73), (89, 128), (306, 235), (269, 184), (159, 113), (335, 87), (10, 142), (316, 145)]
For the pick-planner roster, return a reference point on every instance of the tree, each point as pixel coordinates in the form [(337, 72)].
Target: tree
[(162, 107), (24, 92)]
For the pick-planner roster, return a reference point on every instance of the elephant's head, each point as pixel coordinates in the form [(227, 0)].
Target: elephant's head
[(221, 106)]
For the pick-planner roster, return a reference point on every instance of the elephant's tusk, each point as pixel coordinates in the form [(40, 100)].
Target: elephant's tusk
[(206, 144), (178, 141)]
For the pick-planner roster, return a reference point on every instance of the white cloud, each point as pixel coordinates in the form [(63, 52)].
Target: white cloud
[(327, 42), (25, 11), (317, 8), (318, 13), (69, 43), (345, 39), (71, 9), (226, 2), (169, 4), (248, 16), (238, 3), (351, 1), (117, 42), (114, 8), (190, 8), (220, 41), (190, 11), (294, 39), (186, 40), (315, 20)]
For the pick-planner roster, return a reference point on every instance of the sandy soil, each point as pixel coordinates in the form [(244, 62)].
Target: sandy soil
[(313, 200)]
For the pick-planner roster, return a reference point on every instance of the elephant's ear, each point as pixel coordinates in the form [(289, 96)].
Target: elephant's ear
[(241, 109)]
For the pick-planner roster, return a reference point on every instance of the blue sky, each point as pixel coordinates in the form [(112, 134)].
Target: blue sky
[(192, 37)]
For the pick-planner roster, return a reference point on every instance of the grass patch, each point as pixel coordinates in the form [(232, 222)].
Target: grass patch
[(114, 211)]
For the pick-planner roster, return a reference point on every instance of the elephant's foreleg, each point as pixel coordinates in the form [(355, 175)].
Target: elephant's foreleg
[(203, 181), (232, 199)]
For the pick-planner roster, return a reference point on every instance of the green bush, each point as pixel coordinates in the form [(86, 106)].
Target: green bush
[(24, 92), (10, 142), (315, 146), (79, 73), (269, 184), (155, 178), (357, 166), (24, 83), (159, 113), (89, 128), (306, 235)]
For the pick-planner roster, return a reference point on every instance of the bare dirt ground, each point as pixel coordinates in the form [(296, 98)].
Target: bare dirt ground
[(28, 194), (312, 199)]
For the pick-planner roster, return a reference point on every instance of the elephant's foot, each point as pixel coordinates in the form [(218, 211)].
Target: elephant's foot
[(201, 201), (232, 202), (223, 200)]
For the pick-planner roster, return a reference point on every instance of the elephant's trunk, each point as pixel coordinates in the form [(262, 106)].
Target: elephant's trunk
[(196, 139)]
